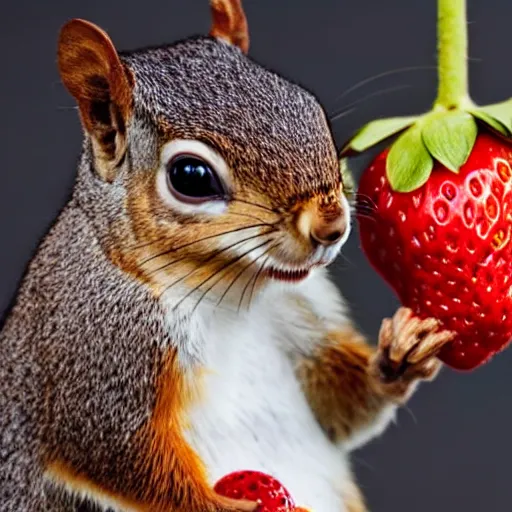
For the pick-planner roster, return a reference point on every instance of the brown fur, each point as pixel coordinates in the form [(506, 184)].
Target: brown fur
[(337, 383), (175, 476)]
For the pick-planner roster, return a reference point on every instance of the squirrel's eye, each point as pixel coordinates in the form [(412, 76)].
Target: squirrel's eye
[(191, 179)]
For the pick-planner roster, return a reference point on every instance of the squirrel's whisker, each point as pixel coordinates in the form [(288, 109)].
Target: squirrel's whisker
[(164, 238), (209, 237), (256, 277), (366, 197), (241, 273), (215, 254), (346, 259), (343, 113), (235, 279), (246, 215), (365, 216), (222, 277), (255, 204), (364, 207), (372, 78), (225, 266), (211, 257), (340, 114), (67, 108)]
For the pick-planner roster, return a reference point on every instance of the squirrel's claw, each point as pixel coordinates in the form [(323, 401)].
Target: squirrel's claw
[(407, 349)]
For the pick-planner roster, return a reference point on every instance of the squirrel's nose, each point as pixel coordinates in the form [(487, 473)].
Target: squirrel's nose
[(328, 229), (324, 222)]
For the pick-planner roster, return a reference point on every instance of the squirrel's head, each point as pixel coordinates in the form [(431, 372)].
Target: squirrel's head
[(209, 174)]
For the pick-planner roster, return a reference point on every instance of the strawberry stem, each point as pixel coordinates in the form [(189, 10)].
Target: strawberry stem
[(448, 132), (453, 89)]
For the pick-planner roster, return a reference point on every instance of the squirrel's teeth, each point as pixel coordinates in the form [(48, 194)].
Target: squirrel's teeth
[(287, 275)]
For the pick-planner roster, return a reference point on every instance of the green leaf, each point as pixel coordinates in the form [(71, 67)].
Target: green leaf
[(501, 112), (376, 132), (492, 122), (349, 184), (409, 164), (450, 137)]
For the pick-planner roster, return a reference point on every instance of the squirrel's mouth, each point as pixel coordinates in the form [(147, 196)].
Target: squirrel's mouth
[(280, 270), (293, 274), (287, 275)]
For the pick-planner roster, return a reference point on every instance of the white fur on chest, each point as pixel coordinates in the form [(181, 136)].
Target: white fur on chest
[(253, 414)]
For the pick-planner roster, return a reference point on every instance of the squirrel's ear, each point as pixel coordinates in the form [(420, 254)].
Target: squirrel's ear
[(230, 23), (93, 73)]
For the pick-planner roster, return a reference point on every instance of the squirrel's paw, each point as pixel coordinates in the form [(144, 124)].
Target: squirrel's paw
[(407, 351)]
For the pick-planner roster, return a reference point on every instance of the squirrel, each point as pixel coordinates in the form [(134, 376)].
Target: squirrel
[(178, 322)]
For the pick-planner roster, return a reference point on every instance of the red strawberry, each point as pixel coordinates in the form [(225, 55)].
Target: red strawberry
[(438, 217), (256, 486), (446, 247)]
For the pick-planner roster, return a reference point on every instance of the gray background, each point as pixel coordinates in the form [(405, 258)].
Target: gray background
[(450, 451)]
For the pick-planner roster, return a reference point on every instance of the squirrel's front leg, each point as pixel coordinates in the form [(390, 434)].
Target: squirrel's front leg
[(354, 388)]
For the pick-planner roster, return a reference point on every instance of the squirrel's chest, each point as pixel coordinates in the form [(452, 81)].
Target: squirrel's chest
[(253, 415)]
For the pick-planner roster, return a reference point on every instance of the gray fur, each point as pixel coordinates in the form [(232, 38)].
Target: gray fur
[(209, 90), (78, 363)]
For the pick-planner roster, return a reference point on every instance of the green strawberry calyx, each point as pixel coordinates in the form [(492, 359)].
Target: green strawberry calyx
[(448, 132)]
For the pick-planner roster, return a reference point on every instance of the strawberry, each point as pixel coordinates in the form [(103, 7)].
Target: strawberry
[(256, 486), (435, 209), (446, 247)]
